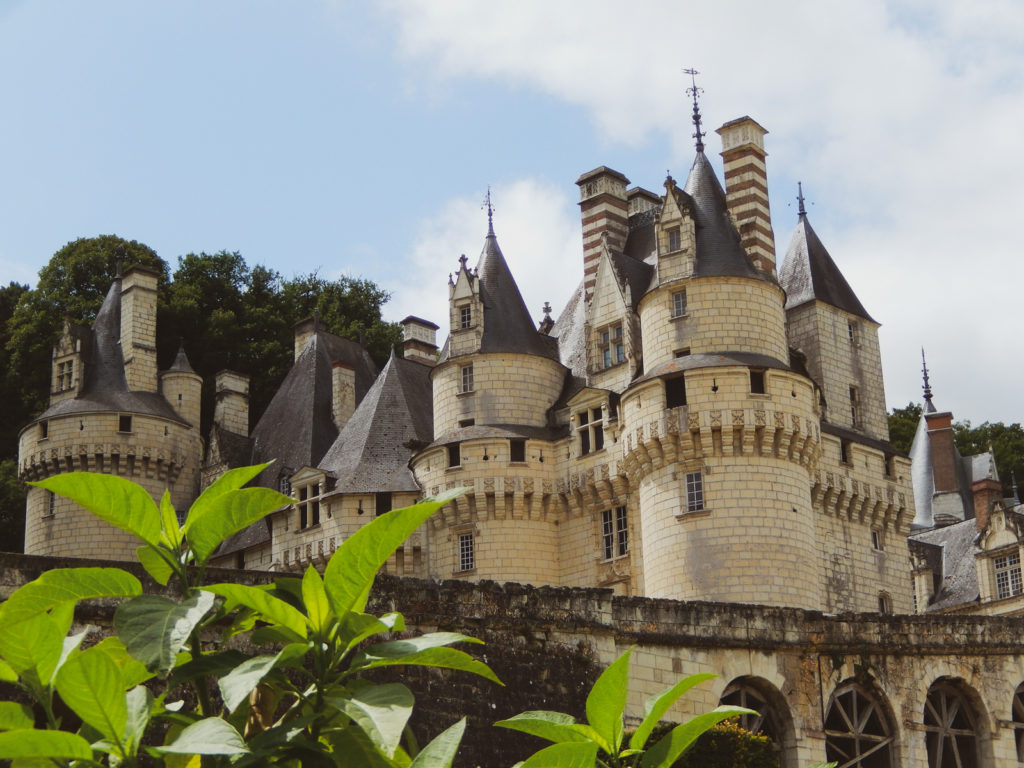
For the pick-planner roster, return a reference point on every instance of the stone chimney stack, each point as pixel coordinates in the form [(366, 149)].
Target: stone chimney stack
[(746, 189), (604, 208), (231, 410), (343, 392), (138, 328), (419, 340), (986, 492), (304, 331)]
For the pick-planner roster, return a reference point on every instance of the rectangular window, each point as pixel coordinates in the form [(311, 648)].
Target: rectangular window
[(757, 382), (674, 240), (124, 423), (466, 422), (465, 317), (675, 392), (1008, 578), (467, 553), (467, 378), (844, 451), (694, 492), (51, 504), (854, 406), (454, 454), (614, 532), (44, 430), (65, 376), (590, 428), (383, 503), (852, 332), (517, 450), (309, 505), (679, 303), (876, 540), (611, 347), (890, 465)]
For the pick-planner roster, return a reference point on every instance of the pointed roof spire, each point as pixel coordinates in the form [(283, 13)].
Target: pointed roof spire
[(120, 259), (800, 199), (181, 362), (694, 91), (490, 211), (929, 407), (1016, 496)]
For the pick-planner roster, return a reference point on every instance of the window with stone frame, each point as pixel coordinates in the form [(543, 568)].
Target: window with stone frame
[(694, 491), (124, 423), (679, 303), (590, 430), (757, 381), (65, 376), (853, 333), (517, 450), (614, 532), (382, 503), (854, 406), (44, 430), (51, 504), (467, 552), (675, 240), (309, 505), (858, 730), (454, 455), (465, 316), (467, 378), (951, 736), (1007, 575), (611, 347)]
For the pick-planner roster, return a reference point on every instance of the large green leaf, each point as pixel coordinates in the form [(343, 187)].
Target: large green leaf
[(351, 570), (231, 480), (230, 513), (66, 585), (658, 705), (314, 597), (140, 707), (607, 702), (270, 608), (571, 755), (215, 664), (120, 502), (666, 751), (156, 565), (356, 627), (553, 726), (236, 686), (32, 743), (14, 716), (353, 747), (154, 628), (91, 684), (446, 658), (211, 736), (132, 670), (440, 752), (170, 533), (34, 643), (382, 711), (394, 649)]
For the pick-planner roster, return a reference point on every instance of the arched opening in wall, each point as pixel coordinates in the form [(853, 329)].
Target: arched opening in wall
[(858, 729), (951, 727), (772, 718), (1018, 721)]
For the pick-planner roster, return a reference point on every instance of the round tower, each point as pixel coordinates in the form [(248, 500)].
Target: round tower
[(107, 415), (720, 434), (493, 387)]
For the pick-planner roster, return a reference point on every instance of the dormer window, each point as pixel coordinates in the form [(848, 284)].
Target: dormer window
[(465, 316), (65, 376), (612, 348), (309, 505), (590, 429), (1007, 573), (674, 240)]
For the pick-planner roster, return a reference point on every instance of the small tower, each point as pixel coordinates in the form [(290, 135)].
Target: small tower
[(182, 387)]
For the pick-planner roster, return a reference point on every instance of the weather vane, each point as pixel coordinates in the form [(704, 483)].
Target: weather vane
[(490, 209), (694, 91)]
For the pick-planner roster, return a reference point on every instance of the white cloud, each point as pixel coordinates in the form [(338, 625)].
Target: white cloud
[(536, 230), (903, 117)]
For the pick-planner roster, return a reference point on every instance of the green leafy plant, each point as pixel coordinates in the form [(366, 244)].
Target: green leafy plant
[(303, 701), (728, 745), (602, 741)]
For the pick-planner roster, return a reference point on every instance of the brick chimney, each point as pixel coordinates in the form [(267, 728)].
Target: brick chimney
[(604, 208), (231, 409), (746, 189), (944, 455), (419, 340), (986, 493), (138, 328)]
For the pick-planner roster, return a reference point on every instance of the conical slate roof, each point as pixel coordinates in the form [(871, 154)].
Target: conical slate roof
[(719, 250), (808, 273), (372, 452), (508, 326), (105, 387), (181, 363)]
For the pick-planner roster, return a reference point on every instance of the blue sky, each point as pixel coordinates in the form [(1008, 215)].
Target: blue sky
[(358, 138)]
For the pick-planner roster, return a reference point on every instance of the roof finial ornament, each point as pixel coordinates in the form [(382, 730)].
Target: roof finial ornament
[(462, 261), (490, 211), (120, 259), (800, 199), (694, 91), (1016, 496), (928, 406)]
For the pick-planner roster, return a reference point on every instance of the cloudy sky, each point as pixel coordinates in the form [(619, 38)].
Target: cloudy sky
[(357, 138)]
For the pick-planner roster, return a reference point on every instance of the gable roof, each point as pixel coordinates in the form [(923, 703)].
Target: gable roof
[(371, 454), (808, 273)]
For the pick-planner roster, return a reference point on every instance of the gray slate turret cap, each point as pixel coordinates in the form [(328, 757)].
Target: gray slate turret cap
[(808, 273)]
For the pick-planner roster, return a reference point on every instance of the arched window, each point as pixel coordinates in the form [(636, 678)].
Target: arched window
[(1018, 721), (741, 694), (949, 725), (858, 734)]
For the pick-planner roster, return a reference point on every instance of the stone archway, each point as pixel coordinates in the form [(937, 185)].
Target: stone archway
[(951, 728), (858, 729)]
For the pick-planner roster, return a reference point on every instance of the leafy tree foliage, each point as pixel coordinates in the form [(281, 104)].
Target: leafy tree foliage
[(727, 745), (903, 425), (12, 507)]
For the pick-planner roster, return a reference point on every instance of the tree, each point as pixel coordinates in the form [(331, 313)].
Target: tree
[(903, 426)]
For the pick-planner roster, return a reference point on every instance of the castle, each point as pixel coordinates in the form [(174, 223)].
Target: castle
[(699, 424)]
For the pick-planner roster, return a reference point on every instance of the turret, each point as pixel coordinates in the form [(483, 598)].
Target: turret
[(182, 387)]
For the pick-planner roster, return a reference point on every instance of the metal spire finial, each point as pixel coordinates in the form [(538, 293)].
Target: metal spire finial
[(694, 91), (1016, 496), (929, 407), (800, 198), (120, 259), (490, 211)]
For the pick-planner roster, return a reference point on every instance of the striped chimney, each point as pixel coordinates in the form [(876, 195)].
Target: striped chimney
[(746, 189), (604, 209)]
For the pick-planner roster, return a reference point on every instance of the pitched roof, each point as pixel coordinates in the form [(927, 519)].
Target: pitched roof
[(105, 387), (719, 250), (298, 426), (959, 574), (508, 326), (395, 419), (808, 273)]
